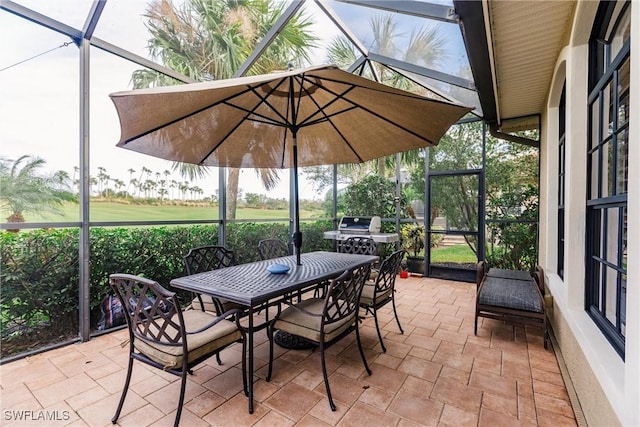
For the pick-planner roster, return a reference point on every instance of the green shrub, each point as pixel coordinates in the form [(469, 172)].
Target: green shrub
[(39, 276), (39, 270)]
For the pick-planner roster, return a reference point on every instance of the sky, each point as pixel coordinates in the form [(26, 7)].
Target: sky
[(39, 97)]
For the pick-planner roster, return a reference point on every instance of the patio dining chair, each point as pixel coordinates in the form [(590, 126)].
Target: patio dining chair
[(207, 258), (380, 291), (272, 248), (361, 245), (325, 321), (165, 337)]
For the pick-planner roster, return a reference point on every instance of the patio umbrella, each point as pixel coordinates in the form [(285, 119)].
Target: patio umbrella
[(314, 116)]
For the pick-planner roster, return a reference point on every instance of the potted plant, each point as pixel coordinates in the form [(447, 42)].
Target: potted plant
[(413, 241)]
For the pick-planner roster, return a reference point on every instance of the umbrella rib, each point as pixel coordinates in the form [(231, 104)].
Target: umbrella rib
[(248, 112), (193, 113), (384, 89), (265, 100), (257, 117), (355, 104), (327, 117)]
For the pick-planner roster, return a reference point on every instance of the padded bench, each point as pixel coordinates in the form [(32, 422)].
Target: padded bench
[(511, 297)]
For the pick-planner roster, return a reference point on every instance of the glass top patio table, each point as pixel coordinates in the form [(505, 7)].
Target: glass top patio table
[(252, 284)]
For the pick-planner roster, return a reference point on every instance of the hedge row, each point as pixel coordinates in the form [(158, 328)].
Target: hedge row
[(39, 270)]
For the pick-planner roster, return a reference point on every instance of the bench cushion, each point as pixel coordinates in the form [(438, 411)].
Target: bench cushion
[(513, 294)]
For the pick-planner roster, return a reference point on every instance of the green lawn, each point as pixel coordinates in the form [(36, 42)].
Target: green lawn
[(458, 254), (110, 211)]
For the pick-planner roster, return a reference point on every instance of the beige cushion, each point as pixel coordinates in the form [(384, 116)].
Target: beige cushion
[(299, 323), (210, 306), (367, 294), (373, 275), (207, 341)]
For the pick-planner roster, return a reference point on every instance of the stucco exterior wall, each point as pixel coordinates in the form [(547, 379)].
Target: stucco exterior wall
[(607, 386)]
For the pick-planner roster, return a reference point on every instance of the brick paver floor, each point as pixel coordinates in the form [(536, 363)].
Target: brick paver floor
[(435, 374)]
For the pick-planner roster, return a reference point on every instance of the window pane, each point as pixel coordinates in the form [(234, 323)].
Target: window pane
[(594, 235), (460, 148), (621, 33), (624, 238), (623, 306), (255, 201), (606, 172), (607, 119), (70, 12), (610, 230), (39, 289), (126, 185), (561, 159), (623, 93), (623, 296), (123, 24), (611, 295), (39, 113), (622, 168), (595, 140), (456, 199), (594, 175), (420, 41)]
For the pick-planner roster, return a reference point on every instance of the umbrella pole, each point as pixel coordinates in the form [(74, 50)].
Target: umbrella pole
[(297, 235)]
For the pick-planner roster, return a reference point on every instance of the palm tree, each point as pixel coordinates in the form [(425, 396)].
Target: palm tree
[(118, 184), (424, 46), (208, 40), (24, 189), (132, 180)]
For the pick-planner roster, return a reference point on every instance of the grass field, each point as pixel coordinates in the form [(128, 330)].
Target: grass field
[(459, 254), (111, 211)]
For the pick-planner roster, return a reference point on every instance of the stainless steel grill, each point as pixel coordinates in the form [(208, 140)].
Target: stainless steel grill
[(351, 226)]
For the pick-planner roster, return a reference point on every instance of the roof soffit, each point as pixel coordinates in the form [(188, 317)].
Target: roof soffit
[(525, 55)]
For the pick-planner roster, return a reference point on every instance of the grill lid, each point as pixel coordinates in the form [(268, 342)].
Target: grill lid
[(360, 224)]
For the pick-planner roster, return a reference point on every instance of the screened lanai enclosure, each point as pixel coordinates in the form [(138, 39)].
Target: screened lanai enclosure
[(75, 208)]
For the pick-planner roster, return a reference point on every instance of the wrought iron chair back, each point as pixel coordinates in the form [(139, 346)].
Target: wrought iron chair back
[(381, 290), (358, 245), (152, 312), (206, 258), (388, 271), (272, 248), (343, 296)]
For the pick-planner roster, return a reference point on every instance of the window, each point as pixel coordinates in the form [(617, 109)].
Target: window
[(562, 110), (607, 171)]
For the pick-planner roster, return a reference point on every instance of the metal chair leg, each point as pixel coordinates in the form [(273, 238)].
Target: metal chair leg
[(244, 367), (326, 377), (364, 359), (393, 302), (183, 387), (124, 391), (270, 335), (375, 319)]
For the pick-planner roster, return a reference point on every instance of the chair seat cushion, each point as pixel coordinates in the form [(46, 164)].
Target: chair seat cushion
[(208, 341), (368, 292), (299, 323), (210, 306), (513, 294)]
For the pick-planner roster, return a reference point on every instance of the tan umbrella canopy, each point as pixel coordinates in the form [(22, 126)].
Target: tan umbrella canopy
[(314, 116)]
